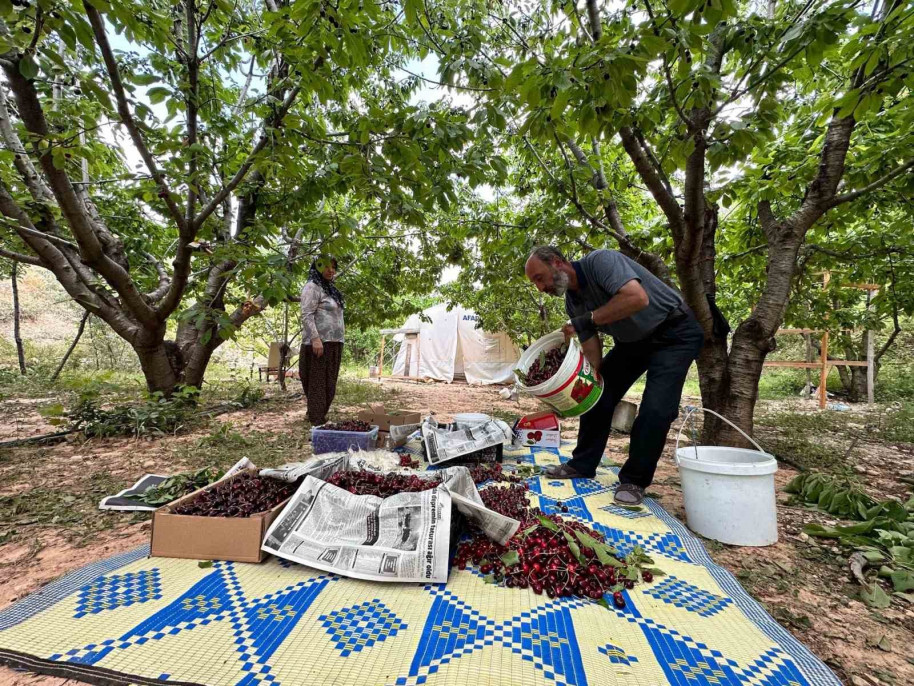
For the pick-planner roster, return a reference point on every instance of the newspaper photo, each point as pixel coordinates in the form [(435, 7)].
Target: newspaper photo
[(442, 444), (404, 537)]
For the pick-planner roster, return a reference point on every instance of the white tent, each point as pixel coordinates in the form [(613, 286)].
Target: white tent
[(449, 346)]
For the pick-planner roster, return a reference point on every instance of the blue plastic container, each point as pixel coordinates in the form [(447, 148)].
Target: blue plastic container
[(327, 441)]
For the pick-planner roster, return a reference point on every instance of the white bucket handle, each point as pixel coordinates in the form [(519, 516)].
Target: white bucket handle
[(690, 409)]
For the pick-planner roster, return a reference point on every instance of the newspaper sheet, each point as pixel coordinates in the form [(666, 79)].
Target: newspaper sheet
[(465, 496), (404, 537), (442, 444), (401, 433)]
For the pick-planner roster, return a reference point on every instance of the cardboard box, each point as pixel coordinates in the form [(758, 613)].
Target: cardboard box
[(541, 430), (538, 438), (210, 538), (540, 420), (377, 415)]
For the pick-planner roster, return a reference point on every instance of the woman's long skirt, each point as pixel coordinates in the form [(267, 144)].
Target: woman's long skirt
[(318, 379)]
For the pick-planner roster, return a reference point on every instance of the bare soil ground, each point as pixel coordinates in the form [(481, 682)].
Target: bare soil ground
[(49, 524)]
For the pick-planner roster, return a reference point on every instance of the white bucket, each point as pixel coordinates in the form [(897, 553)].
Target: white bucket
[(729, 493), (576, 386)]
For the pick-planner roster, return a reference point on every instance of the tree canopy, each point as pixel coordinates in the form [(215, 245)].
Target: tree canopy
[(733, 148)]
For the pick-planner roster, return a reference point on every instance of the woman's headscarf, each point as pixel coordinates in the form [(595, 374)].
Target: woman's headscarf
[(315, 275)]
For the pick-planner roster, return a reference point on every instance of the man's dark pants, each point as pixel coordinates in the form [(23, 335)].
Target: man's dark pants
[(666, 356)]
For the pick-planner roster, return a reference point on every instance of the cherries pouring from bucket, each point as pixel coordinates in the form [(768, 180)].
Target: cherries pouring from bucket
[(544, 367)]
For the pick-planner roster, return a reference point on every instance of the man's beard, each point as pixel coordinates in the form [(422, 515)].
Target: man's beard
[(559, 283)]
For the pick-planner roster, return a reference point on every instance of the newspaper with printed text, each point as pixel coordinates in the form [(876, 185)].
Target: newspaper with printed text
[(443, 444), (404, 537)]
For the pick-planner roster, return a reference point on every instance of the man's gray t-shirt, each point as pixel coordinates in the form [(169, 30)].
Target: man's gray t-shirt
[(600, 276)]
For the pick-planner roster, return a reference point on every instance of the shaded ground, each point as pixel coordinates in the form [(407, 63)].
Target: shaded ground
[(49, 524)]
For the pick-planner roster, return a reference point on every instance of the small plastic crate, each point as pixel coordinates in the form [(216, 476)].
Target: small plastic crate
[(327, 441)]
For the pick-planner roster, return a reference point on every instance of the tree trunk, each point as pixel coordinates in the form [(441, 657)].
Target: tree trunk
[(20, 351), (162, 364), (853, 381), (284, 350), (79, 333), (200, 355)]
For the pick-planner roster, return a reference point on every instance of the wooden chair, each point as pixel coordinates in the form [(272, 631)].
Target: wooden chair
[(273, 362)]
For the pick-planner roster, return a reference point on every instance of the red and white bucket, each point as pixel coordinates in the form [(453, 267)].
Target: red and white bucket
[(576, 386)]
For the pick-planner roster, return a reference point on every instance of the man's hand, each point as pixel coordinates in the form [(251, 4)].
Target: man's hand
[(568, 331), (593, 351), (317, 347)]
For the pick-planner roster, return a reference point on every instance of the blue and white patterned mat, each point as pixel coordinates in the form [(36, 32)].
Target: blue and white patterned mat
[(134, 619)]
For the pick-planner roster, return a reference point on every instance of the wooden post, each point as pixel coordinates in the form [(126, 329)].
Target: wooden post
[(79, 333), (20, 350), (381, 359), (823, 372), (870, 355), (418, 356)]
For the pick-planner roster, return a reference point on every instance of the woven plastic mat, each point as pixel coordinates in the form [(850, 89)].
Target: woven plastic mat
[(135, 619)]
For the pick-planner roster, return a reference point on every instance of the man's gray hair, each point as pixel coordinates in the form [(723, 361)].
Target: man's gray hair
[(547, 254)]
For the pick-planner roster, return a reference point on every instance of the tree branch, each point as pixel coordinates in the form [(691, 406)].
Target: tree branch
[(654, 184), (72, 207), (446, 85), (894, 334), (853, 195), (164, 279), (593, 17), (654, 161), (33, 181), (19, 257), (191, 108), (101, 38), (246, 165), (675, 100), (225, 41), (821, 190)]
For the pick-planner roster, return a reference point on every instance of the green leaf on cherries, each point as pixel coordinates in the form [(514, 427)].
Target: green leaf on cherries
[(510, 558), (548, 523)]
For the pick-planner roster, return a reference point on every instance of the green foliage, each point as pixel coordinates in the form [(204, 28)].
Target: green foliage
[(884, 536), (178, 485), (157, 416), (249, 395), (223, 437), (839, 497)]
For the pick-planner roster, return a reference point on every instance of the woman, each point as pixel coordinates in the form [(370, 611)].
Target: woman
[(322, 338)]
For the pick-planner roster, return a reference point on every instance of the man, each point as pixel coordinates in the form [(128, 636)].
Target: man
[(653, 331)]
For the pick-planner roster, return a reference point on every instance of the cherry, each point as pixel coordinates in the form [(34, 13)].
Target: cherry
[(619, 600), (647, 576), (351, 425)]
